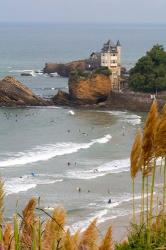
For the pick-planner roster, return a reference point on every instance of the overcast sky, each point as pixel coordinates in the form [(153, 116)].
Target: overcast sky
[(117, 11)]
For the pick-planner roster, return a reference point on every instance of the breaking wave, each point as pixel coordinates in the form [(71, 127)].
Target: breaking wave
[(26, 182), (47, 152), (113, 167)]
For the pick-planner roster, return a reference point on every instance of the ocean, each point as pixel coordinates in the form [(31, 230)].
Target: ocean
[(45, 151)]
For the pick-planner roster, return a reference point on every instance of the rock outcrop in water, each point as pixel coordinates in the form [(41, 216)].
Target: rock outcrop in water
[(65, 69), (14, 93), (93, 89)]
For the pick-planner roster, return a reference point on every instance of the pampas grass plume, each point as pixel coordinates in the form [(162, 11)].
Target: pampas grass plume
[(160, 136), (89, 237), (106, 243), (135, 155), (2, 194), (149, 133)]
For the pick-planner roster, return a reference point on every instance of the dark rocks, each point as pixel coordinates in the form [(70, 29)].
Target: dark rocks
[(62, 98), (64, 69), (14, 93)]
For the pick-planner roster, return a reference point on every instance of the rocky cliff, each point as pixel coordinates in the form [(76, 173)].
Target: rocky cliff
[(92, 89), (14, 93), (64, 69)]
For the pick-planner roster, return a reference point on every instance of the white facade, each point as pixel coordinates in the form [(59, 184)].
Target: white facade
[(111, 58)]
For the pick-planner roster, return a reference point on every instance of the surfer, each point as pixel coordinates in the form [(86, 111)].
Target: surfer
[(123, 130), (79, 189), (33, 174), (109, 201)]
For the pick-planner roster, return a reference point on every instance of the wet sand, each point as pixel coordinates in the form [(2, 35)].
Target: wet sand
[(120, 227)]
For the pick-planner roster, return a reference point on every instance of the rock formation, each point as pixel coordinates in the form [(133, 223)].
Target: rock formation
[(62, 98), (64, 69), (14, 93), (93, 89)]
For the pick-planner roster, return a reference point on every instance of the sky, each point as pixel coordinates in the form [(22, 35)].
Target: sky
[(83, 11)]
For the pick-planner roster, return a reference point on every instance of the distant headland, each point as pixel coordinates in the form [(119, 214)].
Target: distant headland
[(99, 82)]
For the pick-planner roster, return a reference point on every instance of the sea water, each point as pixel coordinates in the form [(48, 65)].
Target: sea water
[(50, 152)]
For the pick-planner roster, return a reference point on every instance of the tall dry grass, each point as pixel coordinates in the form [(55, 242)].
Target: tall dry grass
[(150, 233), (29, 232)]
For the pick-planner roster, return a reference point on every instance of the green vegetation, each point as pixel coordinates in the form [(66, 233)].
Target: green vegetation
[(148, 156), (103, 70), (149, 73), (80, 74), (86, 74)]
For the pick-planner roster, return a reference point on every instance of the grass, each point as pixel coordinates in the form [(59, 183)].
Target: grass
[(29, 232), (150, 232)]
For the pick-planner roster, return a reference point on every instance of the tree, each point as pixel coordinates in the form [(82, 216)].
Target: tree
[(149, 73)]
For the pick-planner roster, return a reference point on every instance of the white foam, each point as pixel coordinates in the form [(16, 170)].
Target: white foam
[(32, 72), (105, 139), (132, 119), (105, 211), (46, 152), (125, 117), (49, 208), (82, 225), (26, 182), (71, 112), (113, 167)]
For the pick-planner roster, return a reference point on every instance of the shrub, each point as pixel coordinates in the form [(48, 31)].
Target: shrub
[(149, 73)]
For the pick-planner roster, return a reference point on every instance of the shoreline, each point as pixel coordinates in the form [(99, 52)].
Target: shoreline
[(120, 227)]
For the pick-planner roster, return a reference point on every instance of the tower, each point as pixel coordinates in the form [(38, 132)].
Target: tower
[(111, 58)]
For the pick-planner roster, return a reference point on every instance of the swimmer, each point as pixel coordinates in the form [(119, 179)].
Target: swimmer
[(109, 201), (33, 174), (79, 189), (123, 130)]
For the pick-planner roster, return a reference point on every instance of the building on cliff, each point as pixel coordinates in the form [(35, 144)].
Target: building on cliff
[(111, 58)]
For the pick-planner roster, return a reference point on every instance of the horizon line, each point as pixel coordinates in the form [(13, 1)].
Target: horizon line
[(83, 23)]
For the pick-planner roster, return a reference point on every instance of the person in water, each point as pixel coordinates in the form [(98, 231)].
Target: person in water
[(79, 189), (109, 201), (33, 174)]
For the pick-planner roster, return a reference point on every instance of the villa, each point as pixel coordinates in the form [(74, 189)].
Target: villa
[(110, 56)]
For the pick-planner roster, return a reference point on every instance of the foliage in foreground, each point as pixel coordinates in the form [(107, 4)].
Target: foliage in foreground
[(148, 156), (149, 73)]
